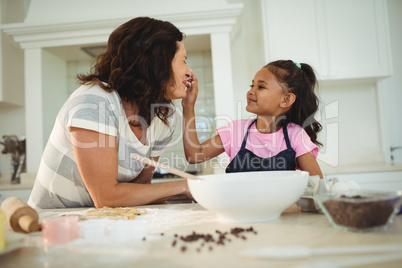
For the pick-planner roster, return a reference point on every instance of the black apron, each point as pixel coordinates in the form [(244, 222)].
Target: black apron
[(246, 161)]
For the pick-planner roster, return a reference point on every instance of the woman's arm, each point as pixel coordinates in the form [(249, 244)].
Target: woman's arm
[(196, 152), (145, 176), (307, 162), (96, 156)]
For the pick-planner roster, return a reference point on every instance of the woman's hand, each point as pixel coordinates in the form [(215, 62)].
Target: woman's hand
[(192, 92), (185, 193), (146, 175)]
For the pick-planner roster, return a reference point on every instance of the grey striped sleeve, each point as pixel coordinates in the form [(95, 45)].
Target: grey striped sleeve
[(92, 112), (62, 165)]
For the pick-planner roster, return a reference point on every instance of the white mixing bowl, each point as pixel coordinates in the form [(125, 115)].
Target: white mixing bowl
[(247, 197)]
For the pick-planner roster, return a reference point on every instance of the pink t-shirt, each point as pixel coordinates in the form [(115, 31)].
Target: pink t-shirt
[(264, 145)]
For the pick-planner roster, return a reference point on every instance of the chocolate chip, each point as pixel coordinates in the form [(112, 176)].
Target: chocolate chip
[(220, 239)]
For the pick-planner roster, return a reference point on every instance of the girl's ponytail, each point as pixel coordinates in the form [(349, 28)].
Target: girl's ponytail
[(300, 80), (309, 73)]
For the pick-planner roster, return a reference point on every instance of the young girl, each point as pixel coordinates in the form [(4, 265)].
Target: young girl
[(282, 137)]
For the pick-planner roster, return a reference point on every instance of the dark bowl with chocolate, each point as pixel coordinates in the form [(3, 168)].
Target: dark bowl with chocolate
[(360, 211)]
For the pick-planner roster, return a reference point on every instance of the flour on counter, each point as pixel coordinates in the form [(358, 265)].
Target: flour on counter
[(157, 220), (160, 220)]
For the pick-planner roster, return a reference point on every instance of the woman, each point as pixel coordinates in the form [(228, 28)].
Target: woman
[(123, 106)]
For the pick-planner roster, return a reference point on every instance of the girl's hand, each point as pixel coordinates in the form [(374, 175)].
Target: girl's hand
[(192, 92)]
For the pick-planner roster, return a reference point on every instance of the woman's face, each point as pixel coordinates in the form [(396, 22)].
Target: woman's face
[(177, 88)]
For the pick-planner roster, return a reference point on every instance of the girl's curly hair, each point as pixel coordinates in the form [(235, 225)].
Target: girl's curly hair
[(138, 65)]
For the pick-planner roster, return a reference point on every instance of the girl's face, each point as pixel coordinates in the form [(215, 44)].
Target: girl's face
[(177, 88), (265, 95)]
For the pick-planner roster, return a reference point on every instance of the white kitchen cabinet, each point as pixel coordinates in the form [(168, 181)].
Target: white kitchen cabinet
[(341, 39)]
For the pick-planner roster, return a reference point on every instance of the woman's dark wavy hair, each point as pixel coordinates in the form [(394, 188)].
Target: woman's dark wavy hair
[(301, 82), (138, 65)]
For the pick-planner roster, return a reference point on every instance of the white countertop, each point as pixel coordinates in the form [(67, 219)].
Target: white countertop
[(360, 168), (28, 179), (291, 229)]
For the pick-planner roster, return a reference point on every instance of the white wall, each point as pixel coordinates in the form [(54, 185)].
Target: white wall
[(72, 10), (356, 115), (60, 80), (13, 71), (13, 10), (73, 69), (54, 91), (247, 53), (12, 117)]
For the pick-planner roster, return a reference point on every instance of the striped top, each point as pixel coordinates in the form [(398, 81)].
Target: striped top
[(58, 183)]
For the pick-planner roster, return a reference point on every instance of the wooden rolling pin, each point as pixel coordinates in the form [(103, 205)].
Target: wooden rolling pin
[(21, 217)]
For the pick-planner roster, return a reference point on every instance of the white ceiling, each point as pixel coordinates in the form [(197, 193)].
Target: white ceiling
[(75, 53)]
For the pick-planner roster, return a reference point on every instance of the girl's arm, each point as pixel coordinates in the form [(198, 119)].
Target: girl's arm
[(307, 162), (195, 151), (96, 156)]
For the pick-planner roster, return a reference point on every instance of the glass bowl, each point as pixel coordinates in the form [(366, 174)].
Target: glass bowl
[(360, 210)]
